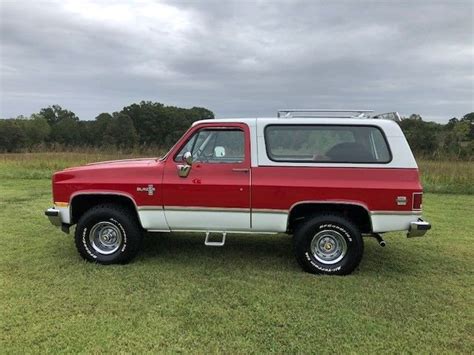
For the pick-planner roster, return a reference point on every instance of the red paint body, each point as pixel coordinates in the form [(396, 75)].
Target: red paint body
[(230, 186), (375, 188), (208, 184)]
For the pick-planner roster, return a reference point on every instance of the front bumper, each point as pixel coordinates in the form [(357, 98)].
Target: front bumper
[(54, 216), (418, 228)]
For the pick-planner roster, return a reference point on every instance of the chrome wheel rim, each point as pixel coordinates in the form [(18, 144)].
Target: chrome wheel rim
[(328, 247), (105, 238)]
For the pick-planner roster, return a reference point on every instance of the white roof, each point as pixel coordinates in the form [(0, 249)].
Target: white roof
[(390, 127), (401, 153)]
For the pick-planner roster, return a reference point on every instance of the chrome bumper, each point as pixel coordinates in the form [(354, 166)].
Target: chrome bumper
[(54, 216), (418, 228)]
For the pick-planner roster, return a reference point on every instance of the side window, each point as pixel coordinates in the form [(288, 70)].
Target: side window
[(187, 148), (379, 145), (215, 146), (326, 144)]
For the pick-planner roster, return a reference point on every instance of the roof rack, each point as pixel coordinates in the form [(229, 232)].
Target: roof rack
[(323, 113), (298, 112), (394, 116)]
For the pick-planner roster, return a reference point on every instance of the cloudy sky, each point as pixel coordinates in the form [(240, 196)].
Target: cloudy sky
[(238, 58)]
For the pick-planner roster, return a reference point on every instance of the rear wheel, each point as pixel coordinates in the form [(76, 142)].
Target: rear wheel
[(328, 244), (108, 234)]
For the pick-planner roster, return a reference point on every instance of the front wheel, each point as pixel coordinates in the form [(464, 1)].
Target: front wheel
[(108, 234), (328, 244)]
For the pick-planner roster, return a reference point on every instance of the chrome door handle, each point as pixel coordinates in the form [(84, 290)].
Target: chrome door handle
[(240, 170)]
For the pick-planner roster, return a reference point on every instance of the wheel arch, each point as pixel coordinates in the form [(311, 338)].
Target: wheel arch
[(356, 211), (80, 202)]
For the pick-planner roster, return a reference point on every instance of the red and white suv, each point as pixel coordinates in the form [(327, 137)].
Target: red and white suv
[(323, 177)]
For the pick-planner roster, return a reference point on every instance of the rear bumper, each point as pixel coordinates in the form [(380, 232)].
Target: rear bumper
[(54, 216), (418, 228)]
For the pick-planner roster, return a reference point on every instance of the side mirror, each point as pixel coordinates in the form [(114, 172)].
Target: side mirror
[(188, 158), (184, 169)]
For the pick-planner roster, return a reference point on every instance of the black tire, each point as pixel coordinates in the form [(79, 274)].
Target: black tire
[(109, 218), (326, 231)]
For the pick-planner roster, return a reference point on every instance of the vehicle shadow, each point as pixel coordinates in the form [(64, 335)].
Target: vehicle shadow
[(263, 251), (271, 252)]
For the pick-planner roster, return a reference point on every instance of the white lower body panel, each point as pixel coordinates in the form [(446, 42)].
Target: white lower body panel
[(388, 222), (153, 219), (269, 221), (208, 220)]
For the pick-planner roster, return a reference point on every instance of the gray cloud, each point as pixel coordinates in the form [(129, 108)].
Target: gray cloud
[(238, 58)]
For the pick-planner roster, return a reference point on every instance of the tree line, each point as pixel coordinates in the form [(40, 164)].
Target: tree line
[(151, 124), (146, 124), (454, 140)]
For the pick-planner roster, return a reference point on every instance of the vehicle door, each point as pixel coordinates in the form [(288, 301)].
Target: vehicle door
[(213, 192)]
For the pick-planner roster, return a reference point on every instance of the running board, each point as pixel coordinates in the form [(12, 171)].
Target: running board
[(214, 244)]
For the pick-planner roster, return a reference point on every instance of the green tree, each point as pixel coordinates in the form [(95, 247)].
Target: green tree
[(66, 132), (12, 136), (422, 136), (120, 132), (36, 129), (86, 132), (54, 114), (457, 141), (161, 125), (99, 127), (469, 117)]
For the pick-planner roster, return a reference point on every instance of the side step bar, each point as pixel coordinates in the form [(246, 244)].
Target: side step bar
[(208, 243)]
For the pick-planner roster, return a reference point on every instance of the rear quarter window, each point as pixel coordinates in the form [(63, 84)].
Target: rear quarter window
[(327, 144)]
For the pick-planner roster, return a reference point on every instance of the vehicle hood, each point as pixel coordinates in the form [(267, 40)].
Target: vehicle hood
[(118, 175), (115, 164)]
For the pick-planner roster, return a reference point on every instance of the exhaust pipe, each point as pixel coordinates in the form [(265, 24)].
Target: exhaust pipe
[(379, 238)]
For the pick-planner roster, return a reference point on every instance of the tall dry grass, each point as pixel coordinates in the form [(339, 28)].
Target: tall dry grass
[(43, 165), (437, 176), (447, 176)]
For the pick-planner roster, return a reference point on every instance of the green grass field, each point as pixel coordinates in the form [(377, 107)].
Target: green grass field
[(249, 296)]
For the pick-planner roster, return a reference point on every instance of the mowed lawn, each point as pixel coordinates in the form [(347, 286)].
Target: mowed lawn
[(249, 296)]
